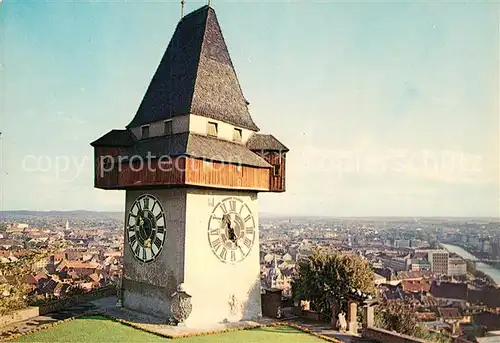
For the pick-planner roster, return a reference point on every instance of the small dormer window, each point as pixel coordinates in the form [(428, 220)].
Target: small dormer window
[(212, 129), (167, 129), (145, 131), (237, 134)]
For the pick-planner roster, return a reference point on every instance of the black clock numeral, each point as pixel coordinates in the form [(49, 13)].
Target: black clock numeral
[(249, 230), (247, 218), (223, 207), (143, 207), (233, 256), (223, 253), (132, 239), (247, 242), (232, 205), (157, 242), (241, 209), (216, 244), (214, 232)]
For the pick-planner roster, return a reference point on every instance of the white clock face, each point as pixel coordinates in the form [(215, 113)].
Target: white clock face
[(146, 228), (231, 230)]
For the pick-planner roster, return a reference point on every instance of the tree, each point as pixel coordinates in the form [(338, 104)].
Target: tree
[(471, 269), (13, 287), (325, 279), (398, 316)]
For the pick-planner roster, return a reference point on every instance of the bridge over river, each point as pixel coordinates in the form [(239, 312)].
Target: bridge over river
[(480, 263), (475, 259)]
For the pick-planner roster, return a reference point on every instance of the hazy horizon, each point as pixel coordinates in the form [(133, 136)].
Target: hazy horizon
[(267, 214), (389, 109)]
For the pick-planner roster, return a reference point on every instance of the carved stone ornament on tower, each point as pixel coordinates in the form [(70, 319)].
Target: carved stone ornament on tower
[(181, 305), (233, 305)]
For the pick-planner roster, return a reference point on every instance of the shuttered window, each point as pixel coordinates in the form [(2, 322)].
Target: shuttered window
[(212, 129), (167, 129), (237, 135), (145, 131)]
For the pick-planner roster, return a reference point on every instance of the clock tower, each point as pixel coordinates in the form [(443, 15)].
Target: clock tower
[(192, 162)]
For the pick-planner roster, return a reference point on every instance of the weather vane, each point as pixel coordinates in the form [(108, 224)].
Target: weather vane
[(182, 8)]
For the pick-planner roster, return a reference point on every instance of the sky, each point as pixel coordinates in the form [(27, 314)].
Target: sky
[(388, 108)]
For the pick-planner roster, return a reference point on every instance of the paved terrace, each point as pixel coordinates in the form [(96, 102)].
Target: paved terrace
[(108, 306)]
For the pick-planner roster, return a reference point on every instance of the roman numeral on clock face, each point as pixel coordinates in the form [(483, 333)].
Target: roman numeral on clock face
[(132, 239), (216, 244), (145, 229), (223, 253), (223, 208), (231, 230), (247, 242), (158, 242)]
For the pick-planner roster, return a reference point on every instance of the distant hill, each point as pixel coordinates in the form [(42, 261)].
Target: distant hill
[(76, 213), (263, 215)]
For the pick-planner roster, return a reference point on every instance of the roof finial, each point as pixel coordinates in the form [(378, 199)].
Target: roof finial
[(209, 2), (182, 8)]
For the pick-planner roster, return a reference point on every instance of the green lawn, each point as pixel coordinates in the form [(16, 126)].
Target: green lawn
[(101, 330)]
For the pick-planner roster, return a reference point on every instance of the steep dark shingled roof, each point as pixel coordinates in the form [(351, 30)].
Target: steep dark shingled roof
[(115, 138), (265, 142), (196, 76), (197, 146)]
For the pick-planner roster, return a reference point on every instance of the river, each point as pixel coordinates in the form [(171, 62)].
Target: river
[(485, 268)]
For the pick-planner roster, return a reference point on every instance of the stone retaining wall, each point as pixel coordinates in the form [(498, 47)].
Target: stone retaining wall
[(56, 305), (63, 303), (385, 336), (18, 316)]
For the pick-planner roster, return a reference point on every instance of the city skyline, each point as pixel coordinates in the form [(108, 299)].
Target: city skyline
[(388, 109)]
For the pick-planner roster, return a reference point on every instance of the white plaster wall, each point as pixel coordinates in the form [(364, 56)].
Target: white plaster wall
[(194, 124), (187, 257), (211, 282), (198, 124), (179, 124)]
